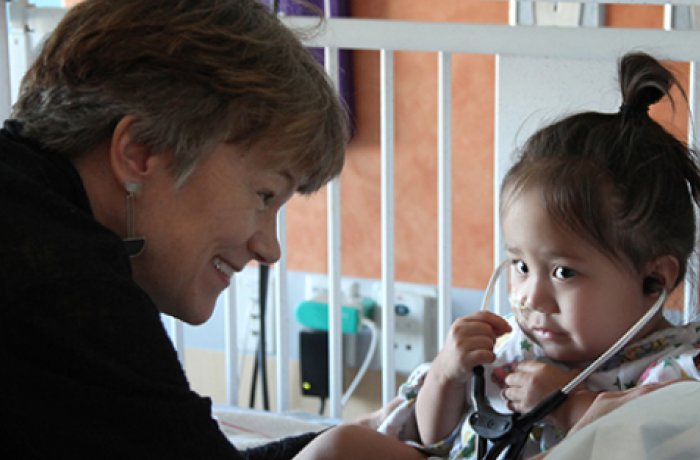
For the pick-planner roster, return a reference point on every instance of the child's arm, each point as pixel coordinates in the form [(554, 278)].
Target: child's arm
[(533, 381), (441, 402)]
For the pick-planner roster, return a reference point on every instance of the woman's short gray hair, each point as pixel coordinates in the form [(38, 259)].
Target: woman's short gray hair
[(193, 73)]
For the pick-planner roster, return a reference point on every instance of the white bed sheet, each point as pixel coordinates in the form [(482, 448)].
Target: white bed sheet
[(248, 428), (662, 425)]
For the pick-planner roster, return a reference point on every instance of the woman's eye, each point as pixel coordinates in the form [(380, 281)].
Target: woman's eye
[(266, 197), (520, 266), (563, 273)]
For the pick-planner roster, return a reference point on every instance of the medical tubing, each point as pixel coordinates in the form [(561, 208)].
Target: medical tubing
[(365, 365), (486, 300), (621, 342)]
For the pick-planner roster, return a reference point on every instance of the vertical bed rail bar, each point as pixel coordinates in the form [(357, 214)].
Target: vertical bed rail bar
[(444, 195), (500, 166), (282, 320), (691, 308), (500, 293), (5, 85), (674, 18), (668, 16), (388, 276), (335, 333), (231, 345), (177, 335), (334, 319)]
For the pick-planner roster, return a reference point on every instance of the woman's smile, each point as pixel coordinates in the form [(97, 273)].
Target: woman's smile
[(224, 270)]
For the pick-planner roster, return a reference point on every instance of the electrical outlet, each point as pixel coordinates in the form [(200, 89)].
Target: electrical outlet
[(248, 312), (415, 328), (415, 314)]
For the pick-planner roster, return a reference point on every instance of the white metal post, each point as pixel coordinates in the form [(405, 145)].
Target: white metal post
[(177, 335), (335, 333), (691, 309), (282, 315), (388, 261), (444, 196), (5, 85), (232, 376)]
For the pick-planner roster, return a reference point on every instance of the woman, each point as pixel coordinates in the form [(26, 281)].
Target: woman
[(151, 147)]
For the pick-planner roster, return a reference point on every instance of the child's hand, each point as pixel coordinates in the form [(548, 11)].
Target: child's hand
[(531, 382), (469, 343)]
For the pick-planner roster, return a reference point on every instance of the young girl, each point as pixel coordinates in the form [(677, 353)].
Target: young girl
[(598, 220)]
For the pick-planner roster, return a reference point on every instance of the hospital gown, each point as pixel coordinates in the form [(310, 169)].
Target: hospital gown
[(662, 356)]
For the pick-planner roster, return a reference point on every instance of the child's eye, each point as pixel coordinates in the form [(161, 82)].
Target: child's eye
[(563, 273), (520, 266)]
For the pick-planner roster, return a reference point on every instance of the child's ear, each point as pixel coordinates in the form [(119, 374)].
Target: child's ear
[(131, 161), (661, 274)]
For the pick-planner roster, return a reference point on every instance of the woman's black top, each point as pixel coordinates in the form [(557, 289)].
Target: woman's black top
[(88, 370)]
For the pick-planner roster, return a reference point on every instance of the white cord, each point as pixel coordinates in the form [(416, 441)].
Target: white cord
[(486, 300), (365, 365), (621, 342)]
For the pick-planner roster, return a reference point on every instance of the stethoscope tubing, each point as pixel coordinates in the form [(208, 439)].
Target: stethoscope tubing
[(514, 438), (614, 348)]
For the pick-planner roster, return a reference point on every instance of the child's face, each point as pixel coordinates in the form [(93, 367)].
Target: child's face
[(580, 301)]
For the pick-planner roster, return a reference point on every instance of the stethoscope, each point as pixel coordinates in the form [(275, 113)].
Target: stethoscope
[(509, 432)]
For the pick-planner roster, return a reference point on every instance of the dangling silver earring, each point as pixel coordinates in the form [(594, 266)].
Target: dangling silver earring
[(134, 244)]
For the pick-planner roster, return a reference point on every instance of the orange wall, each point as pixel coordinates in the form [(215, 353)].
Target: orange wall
[(415, 161)]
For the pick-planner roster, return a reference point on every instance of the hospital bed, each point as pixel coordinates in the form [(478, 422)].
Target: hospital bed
[(564, 42)]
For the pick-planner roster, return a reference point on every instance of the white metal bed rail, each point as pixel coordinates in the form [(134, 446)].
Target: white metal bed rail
[(388, 36)]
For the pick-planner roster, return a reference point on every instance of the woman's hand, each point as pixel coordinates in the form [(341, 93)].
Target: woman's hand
[(608, 401), (469, 343)]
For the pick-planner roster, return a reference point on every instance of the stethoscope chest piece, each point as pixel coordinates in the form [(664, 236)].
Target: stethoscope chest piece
[(491, 425)]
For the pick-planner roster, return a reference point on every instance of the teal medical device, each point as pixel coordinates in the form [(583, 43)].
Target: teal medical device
[(314, 315)]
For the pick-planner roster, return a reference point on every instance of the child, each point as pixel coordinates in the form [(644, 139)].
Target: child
[(598, 220)]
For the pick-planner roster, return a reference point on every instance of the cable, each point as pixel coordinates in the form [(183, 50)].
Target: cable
[(261, 352), (621, 342), (322, 407), (365, 365)]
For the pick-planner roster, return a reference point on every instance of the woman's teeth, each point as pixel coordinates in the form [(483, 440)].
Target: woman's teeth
[(223, 267)]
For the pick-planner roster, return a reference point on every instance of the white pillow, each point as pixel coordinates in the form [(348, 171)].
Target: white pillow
[(661, 425)]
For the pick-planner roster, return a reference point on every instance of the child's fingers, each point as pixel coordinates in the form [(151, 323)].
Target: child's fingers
[(478, 357), (482, 323), (499, 325)]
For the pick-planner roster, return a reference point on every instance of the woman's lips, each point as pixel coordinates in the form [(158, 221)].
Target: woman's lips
[(225, 270)]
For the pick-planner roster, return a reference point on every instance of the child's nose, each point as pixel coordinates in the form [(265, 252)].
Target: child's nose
[(539, 296)]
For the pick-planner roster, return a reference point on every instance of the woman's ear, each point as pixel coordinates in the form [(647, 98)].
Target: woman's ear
[(661, 274), (131, 161)]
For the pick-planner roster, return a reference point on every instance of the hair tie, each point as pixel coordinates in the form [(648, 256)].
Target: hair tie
[(632, 111)]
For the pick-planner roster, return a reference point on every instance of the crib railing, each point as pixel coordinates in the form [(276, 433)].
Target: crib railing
[(387, 37), (444, 39)]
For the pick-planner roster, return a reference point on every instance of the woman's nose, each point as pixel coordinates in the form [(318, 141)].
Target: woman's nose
[(264, 244)]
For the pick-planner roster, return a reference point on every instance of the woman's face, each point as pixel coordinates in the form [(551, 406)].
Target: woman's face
[(200, 234), (579, 301)]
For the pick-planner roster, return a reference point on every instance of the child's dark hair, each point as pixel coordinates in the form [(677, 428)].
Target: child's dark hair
[(619, 180)]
